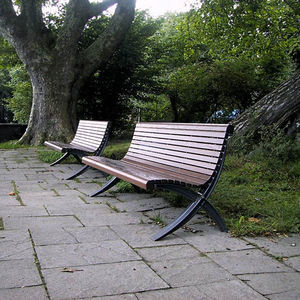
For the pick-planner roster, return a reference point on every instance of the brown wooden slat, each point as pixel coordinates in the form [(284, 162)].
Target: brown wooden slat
[(182, 177), (206, 146), (172, 163), (176, 148), (186, 154), (169, 169), (88, 139), (188, 126), (170, 158), (116, 168), (180, 132), (182, 138), (92, 123)]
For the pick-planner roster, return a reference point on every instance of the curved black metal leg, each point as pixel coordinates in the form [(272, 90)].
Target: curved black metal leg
[(106, 187), (78, 172), (60, 159), (213, 213), (181, 220)]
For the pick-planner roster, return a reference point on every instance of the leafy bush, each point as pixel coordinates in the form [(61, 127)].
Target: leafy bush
[(20, 102)]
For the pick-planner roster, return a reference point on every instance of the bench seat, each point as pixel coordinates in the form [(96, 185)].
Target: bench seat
[(183, 157), (138, 174)]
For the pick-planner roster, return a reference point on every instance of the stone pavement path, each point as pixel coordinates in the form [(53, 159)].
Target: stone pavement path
[(58, 243)]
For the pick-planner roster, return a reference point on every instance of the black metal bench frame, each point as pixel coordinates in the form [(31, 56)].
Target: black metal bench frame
[(78, 151), (199, 198)]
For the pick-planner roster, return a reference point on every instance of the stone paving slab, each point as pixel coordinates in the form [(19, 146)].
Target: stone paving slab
[(190, 271), (141, 205), (15, 245), (210, 239), (25, 293), (102, 280), (64, 255), (94, 234), (153, 254), (272, 283), (18, 273), (92, 218), (280, 247), (39, 222), (247, 261), (139, 236), (294, 262)]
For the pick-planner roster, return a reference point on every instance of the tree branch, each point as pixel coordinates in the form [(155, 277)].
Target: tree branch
[(101, 50), (97, 8), (31, 11), (77, 14), (8, 21)]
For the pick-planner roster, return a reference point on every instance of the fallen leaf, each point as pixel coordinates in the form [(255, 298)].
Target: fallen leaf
[(254, 220), (69, 270), (12, 194)]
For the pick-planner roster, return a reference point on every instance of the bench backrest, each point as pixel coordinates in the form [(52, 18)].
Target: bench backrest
[(90, 134), (191, 150)]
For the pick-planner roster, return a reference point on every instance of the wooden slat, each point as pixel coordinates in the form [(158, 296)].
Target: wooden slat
[(184, 132), (168, 169), (176, 148), (170, 158), (182, 177), (180, 143), (182, 138), (172, 163), (182, 154), (188, 126)]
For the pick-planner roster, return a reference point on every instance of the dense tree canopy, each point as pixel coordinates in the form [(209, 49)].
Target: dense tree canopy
[(209, 64)]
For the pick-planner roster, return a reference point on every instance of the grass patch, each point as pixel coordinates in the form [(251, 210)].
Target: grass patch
[(116, 149), (12, 144), (158, 220), (17, 194), (1, 224), (49, 156), (259, 196)]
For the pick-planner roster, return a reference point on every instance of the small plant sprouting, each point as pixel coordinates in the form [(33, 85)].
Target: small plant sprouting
[(17, 193), (55, 192), (113, 207), (158, 220), (1, 224)]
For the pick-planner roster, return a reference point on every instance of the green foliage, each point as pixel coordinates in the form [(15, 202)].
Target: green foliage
[(20, 102), (224, 55), (127, 74), (124, 187), (116, 149), (12, 144), (49, 156)]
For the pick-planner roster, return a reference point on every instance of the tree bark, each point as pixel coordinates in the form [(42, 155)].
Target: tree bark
[(280, 109), (56, 67)]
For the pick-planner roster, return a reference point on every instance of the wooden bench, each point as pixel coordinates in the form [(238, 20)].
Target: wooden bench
[(185, 158), (90, 138)]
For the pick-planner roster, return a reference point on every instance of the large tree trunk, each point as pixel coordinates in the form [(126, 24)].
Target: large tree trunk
[(56, 67), (52, 112), (279, 109)]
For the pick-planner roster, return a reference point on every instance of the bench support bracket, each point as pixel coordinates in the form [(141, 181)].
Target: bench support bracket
[(199, 201)]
